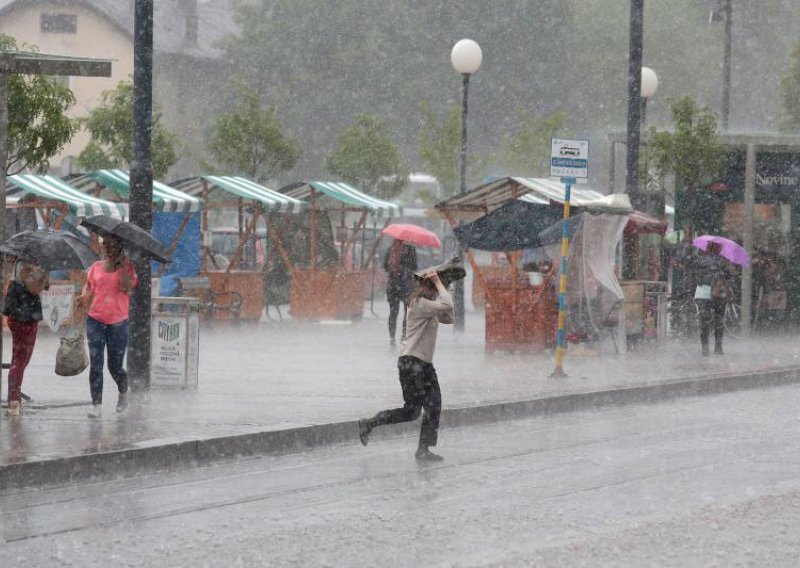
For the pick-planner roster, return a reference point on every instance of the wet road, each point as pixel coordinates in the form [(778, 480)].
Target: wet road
[(698, 482)]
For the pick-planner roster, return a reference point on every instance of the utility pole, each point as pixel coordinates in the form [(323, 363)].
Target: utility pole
[(141, 195), (634, 104), (726, 66)]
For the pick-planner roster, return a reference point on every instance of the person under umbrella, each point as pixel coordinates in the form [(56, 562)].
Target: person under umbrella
[(35, 253), (400, 263), (429, 305), (711, 295), (23, 311), (106, 296)]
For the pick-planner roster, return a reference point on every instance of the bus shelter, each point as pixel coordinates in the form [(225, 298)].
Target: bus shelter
[(176, 221), (252, 204), (336, 288)]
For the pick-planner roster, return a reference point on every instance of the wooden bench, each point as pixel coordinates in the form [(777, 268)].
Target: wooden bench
[(210, 300)]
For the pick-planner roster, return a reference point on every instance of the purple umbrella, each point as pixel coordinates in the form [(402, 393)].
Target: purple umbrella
[(728, 249)]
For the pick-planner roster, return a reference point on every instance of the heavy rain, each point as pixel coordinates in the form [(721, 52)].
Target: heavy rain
[(507, 283)]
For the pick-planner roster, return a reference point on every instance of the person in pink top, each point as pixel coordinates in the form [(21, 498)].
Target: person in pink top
[(107, 298)]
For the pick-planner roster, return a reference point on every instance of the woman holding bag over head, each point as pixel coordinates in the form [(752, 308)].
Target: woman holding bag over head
[(23, 311), (107, 297)]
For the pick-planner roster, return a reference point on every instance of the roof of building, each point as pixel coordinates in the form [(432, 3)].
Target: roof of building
[(170, 21)]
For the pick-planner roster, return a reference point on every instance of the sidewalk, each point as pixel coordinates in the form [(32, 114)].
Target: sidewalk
[(274, 378)]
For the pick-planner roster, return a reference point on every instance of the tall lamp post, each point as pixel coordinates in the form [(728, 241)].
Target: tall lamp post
[(634, 103), (466, 58)]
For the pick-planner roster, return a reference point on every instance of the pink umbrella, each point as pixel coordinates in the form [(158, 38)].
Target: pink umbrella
[(413, 234), (728, 249)]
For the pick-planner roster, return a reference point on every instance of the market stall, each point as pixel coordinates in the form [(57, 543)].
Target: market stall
[(335, 290), (643, 285), (252, 204), (506, 216), (176, 222), (50, 202)]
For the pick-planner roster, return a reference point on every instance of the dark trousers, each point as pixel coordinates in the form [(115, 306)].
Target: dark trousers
[(394, 310), (420, 392), (23, 338), (712, 313), (114, 338)]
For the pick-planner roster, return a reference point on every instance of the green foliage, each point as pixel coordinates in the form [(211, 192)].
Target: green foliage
[(365, 157), (38, 127), (692, 152), (111, 129), (790, 93), (250, 140), (439, 146), (526, 151)]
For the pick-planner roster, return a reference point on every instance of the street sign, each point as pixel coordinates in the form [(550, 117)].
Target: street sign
[(569, 158)]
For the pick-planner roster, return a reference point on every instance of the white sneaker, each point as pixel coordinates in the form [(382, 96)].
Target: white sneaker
[(96, 411)]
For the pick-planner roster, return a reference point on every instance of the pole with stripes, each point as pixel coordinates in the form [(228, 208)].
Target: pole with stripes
[(561, 340)]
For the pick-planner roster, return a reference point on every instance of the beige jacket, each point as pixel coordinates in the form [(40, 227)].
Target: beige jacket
[(424, 317)]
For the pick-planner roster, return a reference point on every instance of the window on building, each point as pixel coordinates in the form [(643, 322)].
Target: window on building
[(59, 23)]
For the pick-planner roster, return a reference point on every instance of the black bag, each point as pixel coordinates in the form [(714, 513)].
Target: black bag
[(21, 305)]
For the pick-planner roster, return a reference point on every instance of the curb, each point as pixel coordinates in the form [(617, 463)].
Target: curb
[(186, 454)]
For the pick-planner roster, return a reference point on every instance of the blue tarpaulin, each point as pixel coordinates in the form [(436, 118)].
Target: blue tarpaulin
[(186, 256)]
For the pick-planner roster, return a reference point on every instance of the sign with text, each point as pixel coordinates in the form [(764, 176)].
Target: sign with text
[(175, 346), (57, 305), (569, 158)]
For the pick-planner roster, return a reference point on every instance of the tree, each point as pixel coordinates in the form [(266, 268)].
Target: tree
[(111, 129), (366, 157), (527, 151), (249, 139), (691, 152), (38, 126), (790, 93), (439, 146)]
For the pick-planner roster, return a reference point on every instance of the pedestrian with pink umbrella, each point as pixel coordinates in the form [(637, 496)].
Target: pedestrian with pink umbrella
[(712, 270), (400, 263)]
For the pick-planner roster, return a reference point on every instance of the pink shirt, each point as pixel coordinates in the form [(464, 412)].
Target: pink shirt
[(110, 305)]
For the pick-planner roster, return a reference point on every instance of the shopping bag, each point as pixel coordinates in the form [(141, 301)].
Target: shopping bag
[(71, 357)]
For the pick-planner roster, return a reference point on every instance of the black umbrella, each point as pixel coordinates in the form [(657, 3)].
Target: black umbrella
[(132, 236), (53, 250), (514, 226)]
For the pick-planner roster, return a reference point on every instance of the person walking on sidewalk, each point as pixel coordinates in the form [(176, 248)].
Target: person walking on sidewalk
[(429, 305), (711, 296), (23, 311), (107, 298), (400, 263)]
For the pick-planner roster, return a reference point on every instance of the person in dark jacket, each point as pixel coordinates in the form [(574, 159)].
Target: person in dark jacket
[(429, 305), (400, 263), (711, 296)]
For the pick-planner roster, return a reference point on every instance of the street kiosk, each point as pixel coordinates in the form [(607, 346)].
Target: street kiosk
[(505, 215), (336, 290), (253, 204), (176, 222)]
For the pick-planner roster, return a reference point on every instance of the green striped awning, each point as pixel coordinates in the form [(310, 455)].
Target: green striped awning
[(50, 188), (493, 194), (240, 187), (343, 193), (165, 198)]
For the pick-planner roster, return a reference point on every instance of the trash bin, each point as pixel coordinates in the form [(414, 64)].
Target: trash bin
[(175, 342)]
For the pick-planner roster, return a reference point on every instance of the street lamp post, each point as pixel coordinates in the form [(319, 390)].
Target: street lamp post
[(466, 57), (634, 103), (141, 197)]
